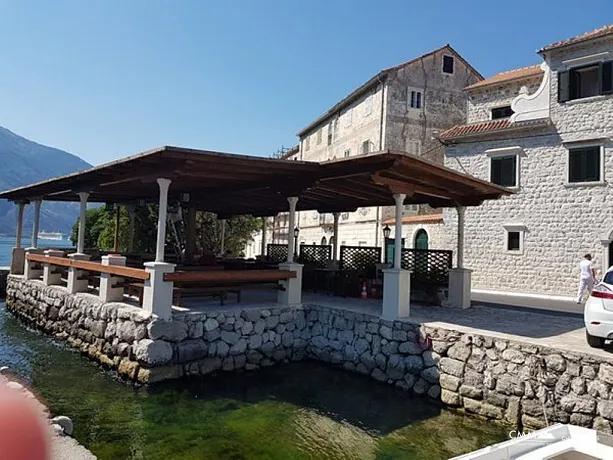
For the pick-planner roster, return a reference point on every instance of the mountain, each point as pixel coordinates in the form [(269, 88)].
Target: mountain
[(24, 162)]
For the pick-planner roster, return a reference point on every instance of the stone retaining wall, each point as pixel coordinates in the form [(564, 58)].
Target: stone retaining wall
[(510, 381)]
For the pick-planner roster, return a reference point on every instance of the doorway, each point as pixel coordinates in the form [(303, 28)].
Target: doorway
[(421, 239)]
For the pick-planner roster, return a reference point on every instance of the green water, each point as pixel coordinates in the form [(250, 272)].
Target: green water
[(299, 411)]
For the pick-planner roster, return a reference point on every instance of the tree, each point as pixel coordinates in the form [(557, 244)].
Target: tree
[(100, 231)]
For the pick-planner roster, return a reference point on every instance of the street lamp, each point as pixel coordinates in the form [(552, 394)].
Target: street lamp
[(296, 233), (386, 232)]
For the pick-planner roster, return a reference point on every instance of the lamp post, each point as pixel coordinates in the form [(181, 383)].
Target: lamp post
[(386, 235), (296, 233)]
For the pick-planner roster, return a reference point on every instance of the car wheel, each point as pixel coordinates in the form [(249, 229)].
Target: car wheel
[(593, 341)]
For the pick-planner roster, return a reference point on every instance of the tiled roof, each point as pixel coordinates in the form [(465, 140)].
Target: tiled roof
[(481, 128), (509, 75), (425, 219), (596, 33)]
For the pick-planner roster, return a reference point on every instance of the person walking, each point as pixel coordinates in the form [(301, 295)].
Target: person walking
[(587, 277)]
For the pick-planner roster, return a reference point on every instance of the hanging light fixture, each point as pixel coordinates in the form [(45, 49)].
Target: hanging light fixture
[(386, 232)]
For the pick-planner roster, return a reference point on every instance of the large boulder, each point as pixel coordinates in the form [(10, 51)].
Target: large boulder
[(153, 352)]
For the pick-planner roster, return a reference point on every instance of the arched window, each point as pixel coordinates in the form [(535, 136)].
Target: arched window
[(324, 242), (421, 239), (331, 241)]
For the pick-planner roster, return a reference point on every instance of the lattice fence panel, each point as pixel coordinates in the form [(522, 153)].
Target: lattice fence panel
[(315, 255), (277, 252), (359, 258), (428, 265)]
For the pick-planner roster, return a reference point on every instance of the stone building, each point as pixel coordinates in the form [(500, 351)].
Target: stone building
[(400, 108), (545, 132)]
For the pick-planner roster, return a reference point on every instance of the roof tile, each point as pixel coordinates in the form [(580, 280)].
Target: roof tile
[(596, 33), (475, 129), (509, 75)]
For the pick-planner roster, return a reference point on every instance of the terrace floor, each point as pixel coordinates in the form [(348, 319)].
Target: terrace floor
[(558, 330)]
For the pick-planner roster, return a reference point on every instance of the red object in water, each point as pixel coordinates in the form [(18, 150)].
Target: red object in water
[(364, 295)]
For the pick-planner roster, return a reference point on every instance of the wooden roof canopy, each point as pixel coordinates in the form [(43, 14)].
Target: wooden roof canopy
[(230, 184)]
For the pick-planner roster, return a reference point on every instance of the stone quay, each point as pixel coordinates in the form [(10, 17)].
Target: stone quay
[(511, 381)]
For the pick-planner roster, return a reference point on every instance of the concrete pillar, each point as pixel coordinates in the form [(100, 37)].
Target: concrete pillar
[(396, 281), (83, 210), (164, 184), (32, 270), (35, 223), (263, 252), (459, 294), (293, 200), (20, 207), (460, 255), (190, 235), (399, 199), (292, 293), (111, 286), (132, 216), (78, 280), (157, 295), (223, 236), (336, 216), (51, 273)]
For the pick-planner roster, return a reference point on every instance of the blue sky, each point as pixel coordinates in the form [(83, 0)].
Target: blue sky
[(106, 79)]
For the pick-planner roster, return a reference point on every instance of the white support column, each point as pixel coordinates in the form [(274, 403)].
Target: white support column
[(460, 256), (399, 199), (83, 196), (164, 184), (396, 281), (291, 293), (293, 200), (460, 277), (51, 273), (111, 286), (20, 207), (35, 223), (336, 216), (19, 255), (264, 224)]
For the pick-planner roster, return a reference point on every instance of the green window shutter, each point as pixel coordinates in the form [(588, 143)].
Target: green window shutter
[(563, 86), (606, 74)]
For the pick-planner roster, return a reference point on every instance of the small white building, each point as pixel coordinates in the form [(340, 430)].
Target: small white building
[(545, 132), (400, 108)]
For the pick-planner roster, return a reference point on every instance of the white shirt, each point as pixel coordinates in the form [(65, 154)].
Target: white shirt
[(586, 268)]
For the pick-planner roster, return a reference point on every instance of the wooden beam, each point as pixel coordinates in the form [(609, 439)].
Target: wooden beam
[(230, 276), (117, 270)]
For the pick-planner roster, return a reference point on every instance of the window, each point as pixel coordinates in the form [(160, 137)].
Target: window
[(585, 81), (513, 241), (447, 64), (319, 136), (368, 105), (324, 242), (348, 117), (362, 243), (502, 112), (307, 143), (347, 153), (584, 164), (366, 147), (415, 99), (503, 171), (411, 207), (332, 131)]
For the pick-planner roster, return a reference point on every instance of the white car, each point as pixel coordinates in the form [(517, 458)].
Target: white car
[(598, 313)]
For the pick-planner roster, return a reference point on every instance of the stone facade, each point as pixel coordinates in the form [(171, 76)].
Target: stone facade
[(559, 221), (380, 116), (512, 382)]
